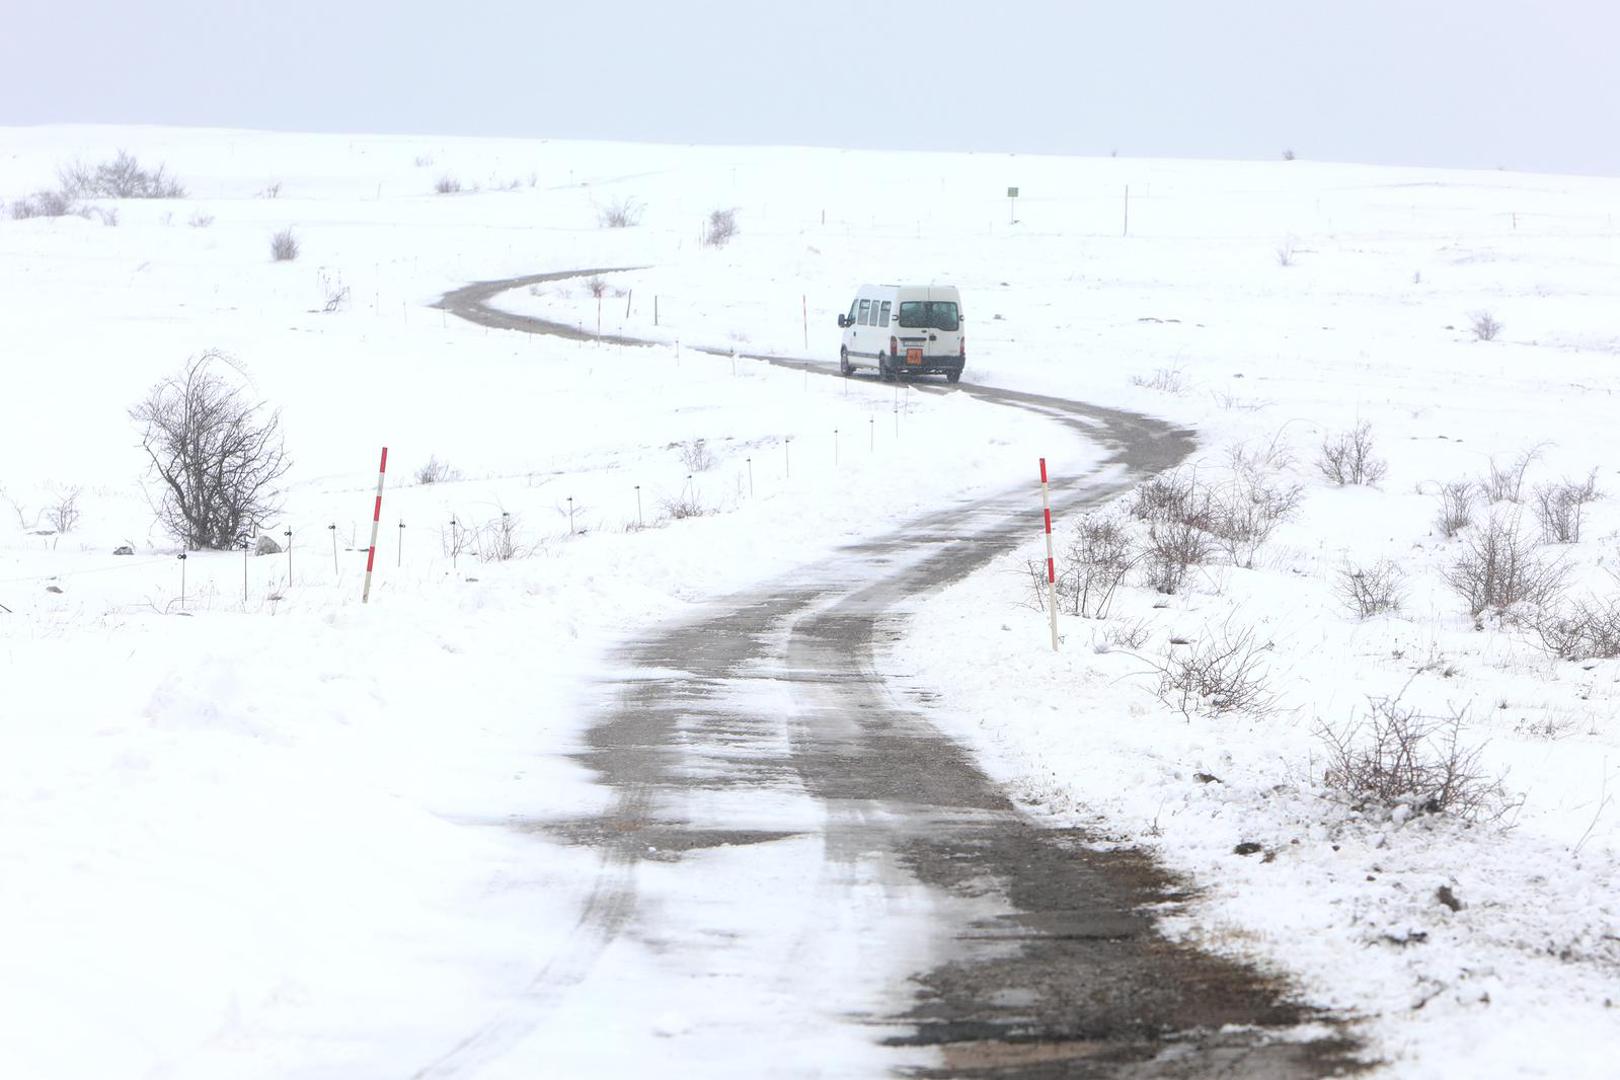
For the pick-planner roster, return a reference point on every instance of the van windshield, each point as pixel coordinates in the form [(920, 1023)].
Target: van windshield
[(928, 315)]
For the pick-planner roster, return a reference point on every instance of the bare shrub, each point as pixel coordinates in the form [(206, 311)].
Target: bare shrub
[(1243, 512), (217, 456), (1371, 590), (283, 246), (1505, 483), (1175, 495), (459, 538), (1288, 153), (1225, 673), (200, 220), (1347, 458), (422, 161), (1173, 549), (436, 471), (1400, 760), (696, 456), (685, 505), (497, 540), (1484, 326), (1169, 380), (1560, 507), (620, 214), (447, 185), (43, 204), (1098, 557), (1498, 569), (720, 228), (1584, 630), (121, 178), (1456, 508), (1285, 252), (63, 515), (1131, 635), (271, 190), (596, 287)]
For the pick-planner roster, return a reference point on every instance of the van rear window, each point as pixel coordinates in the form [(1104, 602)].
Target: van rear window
[(928, 315)]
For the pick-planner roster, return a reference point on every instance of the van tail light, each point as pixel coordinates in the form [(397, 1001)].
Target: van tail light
[(894, 346), (964, 347)]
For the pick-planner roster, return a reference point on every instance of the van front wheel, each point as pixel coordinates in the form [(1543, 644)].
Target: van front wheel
[(843, 362)]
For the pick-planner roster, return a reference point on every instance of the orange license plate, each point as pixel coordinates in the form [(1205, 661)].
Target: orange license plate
[(914, 356)]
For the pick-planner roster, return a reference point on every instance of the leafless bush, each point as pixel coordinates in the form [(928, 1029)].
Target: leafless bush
[(1175, 495), (1259, 459), (1371, 590), (497, 539), (1399, 758), (1098, 557), (1224, 673), (1168, 380), (1131, 635), (200, 220), (721, 227), (620, 214), (1484, 326), (1498, 569), (1560, 507), (1348, 457), (436, 471), (1505, 483), (121, 178), (1243, 512), (216, 455), (283, 246), (1584, 630), (1173, 549), (447, 185), (696, 456), (1456, 508), (43, 204), (458, 539), (1288, 153), (596, 287), (271, 190), (63, 515), (1285, 252), (422, 161), (685, 505)]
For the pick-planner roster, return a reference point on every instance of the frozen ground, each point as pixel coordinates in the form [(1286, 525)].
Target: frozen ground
[(268, 836)]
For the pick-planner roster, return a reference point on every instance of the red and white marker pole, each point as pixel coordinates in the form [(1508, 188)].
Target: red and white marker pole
[(1051, 566), (376, 519)]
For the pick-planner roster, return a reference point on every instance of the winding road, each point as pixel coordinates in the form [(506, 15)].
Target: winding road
[(767, 725)]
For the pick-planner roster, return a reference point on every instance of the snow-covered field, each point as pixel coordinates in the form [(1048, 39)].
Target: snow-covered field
[(269, 835)]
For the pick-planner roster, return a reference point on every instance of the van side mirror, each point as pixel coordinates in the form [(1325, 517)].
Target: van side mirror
[(843, 321)]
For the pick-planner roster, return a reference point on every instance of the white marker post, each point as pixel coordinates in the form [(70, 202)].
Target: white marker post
[(1051, 566), (376, 519)]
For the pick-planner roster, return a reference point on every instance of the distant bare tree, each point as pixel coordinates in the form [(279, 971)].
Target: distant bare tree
[(217, 456)]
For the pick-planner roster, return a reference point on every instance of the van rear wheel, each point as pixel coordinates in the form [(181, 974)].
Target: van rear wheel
[(953, 376), (886, 372)]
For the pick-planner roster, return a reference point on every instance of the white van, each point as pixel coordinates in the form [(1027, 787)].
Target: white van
[(904, 330)]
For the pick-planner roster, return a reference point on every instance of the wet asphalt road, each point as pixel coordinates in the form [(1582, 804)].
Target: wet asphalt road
[(1043, 960)]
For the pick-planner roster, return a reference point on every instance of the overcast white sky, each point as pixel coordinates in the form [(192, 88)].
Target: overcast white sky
[(1472, 83)]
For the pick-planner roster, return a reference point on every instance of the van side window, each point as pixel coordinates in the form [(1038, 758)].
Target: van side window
[(866, 313), (884, 317)]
